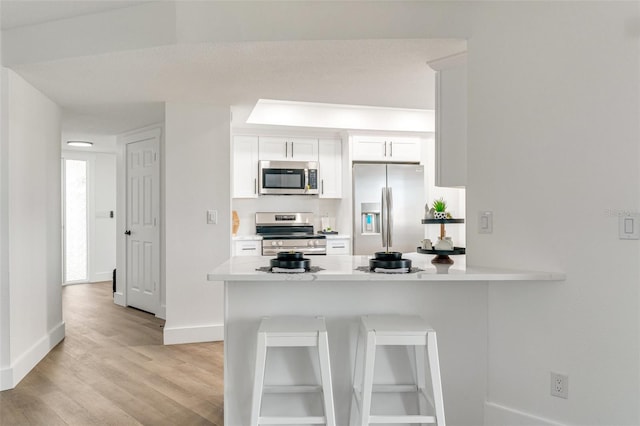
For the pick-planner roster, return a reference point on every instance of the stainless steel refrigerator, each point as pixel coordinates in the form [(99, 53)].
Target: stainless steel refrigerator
[(388, 206)]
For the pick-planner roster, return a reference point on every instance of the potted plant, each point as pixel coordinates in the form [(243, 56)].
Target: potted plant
[(440, 209)]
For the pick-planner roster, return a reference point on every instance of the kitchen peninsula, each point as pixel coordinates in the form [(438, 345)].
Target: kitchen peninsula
[(453, 300)]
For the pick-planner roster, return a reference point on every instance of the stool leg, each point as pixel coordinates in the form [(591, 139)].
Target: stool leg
[(325, 374), (261, 357), (358, 369), (421, 376), (434, 365), (367, 386)]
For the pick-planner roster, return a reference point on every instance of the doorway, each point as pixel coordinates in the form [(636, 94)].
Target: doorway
[(138, 273), (75, 234)]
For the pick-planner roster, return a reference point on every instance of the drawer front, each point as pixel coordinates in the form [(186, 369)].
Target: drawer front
[(247, 248), (338, 247)]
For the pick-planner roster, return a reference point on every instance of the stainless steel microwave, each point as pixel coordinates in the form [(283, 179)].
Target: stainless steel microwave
[(288, 177)]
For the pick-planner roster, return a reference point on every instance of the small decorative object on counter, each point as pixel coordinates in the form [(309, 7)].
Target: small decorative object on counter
[(426, 244), (440, 209), (235, 223), (444, 244), (428, 212)]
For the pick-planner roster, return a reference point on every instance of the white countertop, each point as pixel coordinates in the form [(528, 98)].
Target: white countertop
[(341, 268), (247, 238)]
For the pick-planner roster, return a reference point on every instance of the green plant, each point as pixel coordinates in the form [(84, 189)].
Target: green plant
[(440, 205)]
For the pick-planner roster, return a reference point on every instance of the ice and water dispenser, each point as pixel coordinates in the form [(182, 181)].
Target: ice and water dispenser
[(370, 221)]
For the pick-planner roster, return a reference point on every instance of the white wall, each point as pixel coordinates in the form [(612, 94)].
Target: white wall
[(102, 257), (554, 144), (197, 170), (33, 233)]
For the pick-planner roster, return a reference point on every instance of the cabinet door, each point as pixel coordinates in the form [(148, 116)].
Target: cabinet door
[(369, 148), (277, 148), (247, 248), (451, 122), (330, 163), (338, 246), (245, 167), (274, 148), (303, 149), (404, 149)]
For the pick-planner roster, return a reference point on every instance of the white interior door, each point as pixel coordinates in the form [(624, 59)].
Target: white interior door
[(142, 227)]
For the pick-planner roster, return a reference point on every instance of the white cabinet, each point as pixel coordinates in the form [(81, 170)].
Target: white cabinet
[(451, 120), (330, 163), (386, 148), (247, 247), (281, 148), (245, 167), (338, 246)]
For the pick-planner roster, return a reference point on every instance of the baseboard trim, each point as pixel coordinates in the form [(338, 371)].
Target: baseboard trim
[(204, 333), (102, 276), (11, 376), (500, 415), (119, 299)]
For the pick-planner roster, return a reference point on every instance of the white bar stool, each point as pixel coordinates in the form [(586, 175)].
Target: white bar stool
[(293, 332), (398, 330)]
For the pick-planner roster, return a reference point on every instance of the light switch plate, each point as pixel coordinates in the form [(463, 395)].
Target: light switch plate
[(485, 222), (629, 227), (212, 217)]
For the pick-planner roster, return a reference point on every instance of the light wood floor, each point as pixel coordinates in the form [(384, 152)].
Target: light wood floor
[(112, 369)]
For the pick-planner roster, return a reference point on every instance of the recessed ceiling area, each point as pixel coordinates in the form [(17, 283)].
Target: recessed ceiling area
[(118, 91), (127, 87)]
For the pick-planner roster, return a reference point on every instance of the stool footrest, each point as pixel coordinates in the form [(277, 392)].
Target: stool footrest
[(411, 419), (310, 420), (292, 388)]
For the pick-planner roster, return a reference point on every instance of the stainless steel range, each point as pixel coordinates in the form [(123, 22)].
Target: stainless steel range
[(289, 232)]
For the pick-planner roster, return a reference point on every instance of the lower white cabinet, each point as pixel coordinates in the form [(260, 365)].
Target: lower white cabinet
[(247, 248), (338, 246)]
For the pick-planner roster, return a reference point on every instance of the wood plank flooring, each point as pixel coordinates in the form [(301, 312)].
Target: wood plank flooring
[(112, 369)]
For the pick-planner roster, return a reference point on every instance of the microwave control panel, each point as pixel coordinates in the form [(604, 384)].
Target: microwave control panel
[(313, 178)]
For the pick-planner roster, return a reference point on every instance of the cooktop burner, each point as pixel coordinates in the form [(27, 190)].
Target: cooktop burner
[(389, 261)]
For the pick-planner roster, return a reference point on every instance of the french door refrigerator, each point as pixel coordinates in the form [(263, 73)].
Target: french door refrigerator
[(388, 206)]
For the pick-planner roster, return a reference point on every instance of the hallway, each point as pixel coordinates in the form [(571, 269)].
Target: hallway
[(112, 369)]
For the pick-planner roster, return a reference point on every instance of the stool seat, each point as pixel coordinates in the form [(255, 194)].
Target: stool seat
[(398, 330), (294, 331)]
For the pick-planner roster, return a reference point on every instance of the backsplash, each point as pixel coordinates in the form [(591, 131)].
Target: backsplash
[(247, 208)]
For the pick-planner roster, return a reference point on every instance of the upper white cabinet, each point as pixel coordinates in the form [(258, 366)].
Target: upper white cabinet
[(330, 160), (245, 167), (385, 148), (451, 120), (281, 148)]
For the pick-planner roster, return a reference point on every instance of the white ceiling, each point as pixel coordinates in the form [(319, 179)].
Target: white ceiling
[(116, 92)]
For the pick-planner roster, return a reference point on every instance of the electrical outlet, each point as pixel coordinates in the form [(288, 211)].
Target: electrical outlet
[(559, 385)]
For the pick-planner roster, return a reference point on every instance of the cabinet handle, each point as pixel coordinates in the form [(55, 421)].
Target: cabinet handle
[(337, 247), (391, 149), (291, 149), (385, 148), (255, 185), (286, 149), (248, 248), (322, 186)]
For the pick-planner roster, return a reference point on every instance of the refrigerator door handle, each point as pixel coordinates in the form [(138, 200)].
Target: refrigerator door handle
[(383, 210), (390, 217)]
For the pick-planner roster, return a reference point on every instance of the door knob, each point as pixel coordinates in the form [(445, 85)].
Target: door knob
[(127, 232)]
